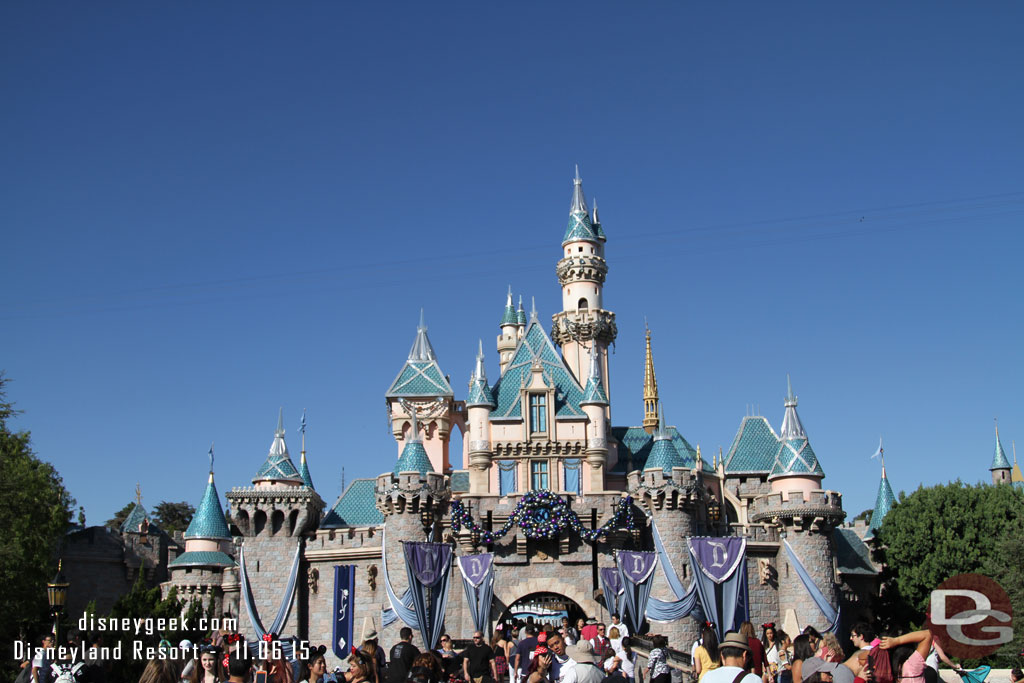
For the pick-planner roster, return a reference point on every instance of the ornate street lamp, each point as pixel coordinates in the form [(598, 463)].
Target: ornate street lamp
[(57, 595), (426, 516)]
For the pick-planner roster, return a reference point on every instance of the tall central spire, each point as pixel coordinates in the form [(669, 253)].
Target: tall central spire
[(581, 226), (791, 426), (650, 390)]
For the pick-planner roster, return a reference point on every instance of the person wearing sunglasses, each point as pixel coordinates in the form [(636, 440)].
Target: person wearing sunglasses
[(478, 661)]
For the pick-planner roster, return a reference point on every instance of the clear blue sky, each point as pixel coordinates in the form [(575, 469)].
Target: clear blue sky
[(210, 210)]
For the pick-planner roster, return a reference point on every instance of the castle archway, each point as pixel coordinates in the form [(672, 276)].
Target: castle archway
[(511, 593), (544, 608)]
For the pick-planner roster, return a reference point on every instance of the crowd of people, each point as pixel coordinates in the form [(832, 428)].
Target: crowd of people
[(529, 652)]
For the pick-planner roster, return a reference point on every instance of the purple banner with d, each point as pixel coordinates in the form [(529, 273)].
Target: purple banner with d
[(635, 570), (720, 572)]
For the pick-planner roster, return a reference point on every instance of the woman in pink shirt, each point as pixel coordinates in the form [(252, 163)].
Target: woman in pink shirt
[(907, 653)]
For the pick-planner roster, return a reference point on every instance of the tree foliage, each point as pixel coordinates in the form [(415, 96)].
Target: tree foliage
[(35, 511), (938, 532), (117, 520), (1004, 565), (173, 517)]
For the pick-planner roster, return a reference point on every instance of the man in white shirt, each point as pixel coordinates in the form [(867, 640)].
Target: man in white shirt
[(734, 651), (623, 629)]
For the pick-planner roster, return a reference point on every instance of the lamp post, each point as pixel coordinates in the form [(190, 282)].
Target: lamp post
[(57, 595), (714, 509)]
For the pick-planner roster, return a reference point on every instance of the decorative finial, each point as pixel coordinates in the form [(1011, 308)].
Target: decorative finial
[(595, 219), (415, 431), (423, 323), (1013, 445), (138, 493), (578, 180), (509, 302), (790, 398), (211, 457), (880, 453), (302, 422), (533, 308), (479, 373), (280, 422)]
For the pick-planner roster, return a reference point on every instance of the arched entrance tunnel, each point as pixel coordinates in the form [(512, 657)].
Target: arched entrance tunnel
[(545, 608)]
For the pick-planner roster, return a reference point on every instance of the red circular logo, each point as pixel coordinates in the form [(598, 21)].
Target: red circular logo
[(970, 616)]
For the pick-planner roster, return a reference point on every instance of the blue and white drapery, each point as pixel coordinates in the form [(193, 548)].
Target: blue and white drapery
[(478, 582), (507, 477), (830, 613), (611, 587), (635, 570), (286, 602), (571, 475), (686, 602), (720, 574), (344, 609), (401, 608), (428, 566)]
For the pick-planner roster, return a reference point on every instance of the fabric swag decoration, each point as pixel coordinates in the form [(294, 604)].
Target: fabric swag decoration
[(720, 573), (478, 583)]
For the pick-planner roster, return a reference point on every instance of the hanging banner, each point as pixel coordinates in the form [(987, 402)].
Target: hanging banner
[(344, 609), (635, 571), (478, 583), (720, 573), (428, 566), (611, 587)]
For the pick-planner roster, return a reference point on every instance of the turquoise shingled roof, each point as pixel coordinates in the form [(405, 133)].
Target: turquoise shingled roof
[(999, 459), (307, 478), (594, 393), (852, 555), (413, 459), (356, 507), (754, 448), (521, 316), (278, 466), (134, 518), (883, 503), (203, 558), (460, 481), (664, 455), (208, 521), (637, 442), (509, 317), (536, 345), (480, 394), (420, 378), (796, 457)]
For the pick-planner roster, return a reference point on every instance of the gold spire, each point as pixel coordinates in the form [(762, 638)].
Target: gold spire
[(650, 390), (138, 493)]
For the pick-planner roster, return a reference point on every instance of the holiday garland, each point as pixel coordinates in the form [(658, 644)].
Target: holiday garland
[(542, 514)]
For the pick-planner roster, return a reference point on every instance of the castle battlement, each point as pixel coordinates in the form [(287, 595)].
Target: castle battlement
[(827, 505)]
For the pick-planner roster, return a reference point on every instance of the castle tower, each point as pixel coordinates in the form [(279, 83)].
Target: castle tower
[(671, 490), (510, 331), (594, 404), (1001, 470), (479, 404), (883, 501), (272, 516), (422, 388), (805, 517), (201, 572), (413, 499), (650, 390), (581, 273), (520, 318)]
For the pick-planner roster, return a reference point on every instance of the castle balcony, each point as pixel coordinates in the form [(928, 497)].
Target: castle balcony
[(818, 508)]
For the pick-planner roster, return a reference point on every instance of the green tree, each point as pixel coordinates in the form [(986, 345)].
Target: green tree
[(173, 517), (935, 533), (35, 511), (117, 520), (1004, 565)]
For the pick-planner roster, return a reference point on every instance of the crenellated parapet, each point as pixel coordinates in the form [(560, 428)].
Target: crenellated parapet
[(585, 267), (412, 492), (255, 508), (656, 490), (800, 509)]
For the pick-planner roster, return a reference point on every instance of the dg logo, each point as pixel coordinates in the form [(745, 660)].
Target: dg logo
[(971, 616)]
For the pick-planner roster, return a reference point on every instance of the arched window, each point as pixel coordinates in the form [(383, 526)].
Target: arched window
[(582, 305), (276, 521), (259, 522)]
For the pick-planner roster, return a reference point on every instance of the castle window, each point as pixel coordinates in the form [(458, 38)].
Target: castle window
[(539, 475), (507, 477), (581, 250), (582, 305), (538, 413)]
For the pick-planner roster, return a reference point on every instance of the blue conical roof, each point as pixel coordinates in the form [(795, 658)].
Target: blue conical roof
[(414, 459), (664, 454), (208, 521), (420, 376), (580, 226), (307, 479), (594, 392), (134, 519), (479, 393), (520, 313), (795, 455), (883, 503), (999, 459), (278, 466), (509, 317)]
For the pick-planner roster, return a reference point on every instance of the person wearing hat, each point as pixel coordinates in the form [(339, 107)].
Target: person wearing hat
[(734, 654), (584, 668)]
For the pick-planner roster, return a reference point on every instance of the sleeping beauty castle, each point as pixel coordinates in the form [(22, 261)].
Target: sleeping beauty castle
[(550, 509)]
